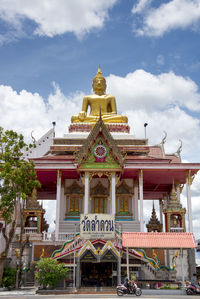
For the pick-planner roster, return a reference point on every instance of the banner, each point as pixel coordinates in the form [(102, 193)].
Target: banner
[(97, 226)]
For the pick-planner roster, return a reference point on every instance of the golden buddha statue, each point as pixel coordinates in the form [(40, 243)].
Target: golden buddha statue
[(99, 101)]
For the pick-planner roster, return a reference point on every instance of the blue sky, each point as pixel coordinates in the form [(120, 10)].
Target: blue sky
[(31, 61), (148, 51)]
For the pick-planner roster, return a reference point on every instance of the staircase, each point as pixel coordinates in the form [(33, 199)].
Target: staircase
[(148, 272)]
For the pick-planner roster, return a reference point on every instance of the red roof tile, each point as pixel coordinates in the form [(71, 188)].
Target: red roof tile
[(173, 158), (158, 240), (156, 151)]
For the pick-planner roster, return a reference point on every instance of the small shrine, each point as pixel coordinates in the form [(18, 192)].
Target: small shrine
[(34, 215), (154, 224), (174, 213)]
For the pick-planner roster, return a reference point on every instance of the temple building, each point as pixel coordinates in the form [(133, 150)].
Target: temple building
[(100, 175)]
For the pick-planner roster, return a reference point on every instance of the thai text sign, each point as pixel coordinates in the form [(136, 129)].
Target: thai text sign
[(97, 226)]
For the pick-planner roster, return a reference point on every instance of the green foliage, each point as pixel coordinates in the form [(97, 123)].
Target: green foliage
[(17, 176), (49, 272), (8, 280)]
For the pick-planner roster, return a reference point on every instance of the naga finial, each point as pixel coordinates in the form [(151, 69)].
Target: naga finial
[(180, 147), (33, 138), (178, 152), (164, 138)]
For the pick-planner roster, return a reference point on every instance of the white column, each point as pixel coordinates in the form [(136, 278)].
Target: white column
[(135, 200), (141, 200), (127, 262), (182, 268), (58, 198), (189, 204), (87, 193), (161, 211), (113, 196)]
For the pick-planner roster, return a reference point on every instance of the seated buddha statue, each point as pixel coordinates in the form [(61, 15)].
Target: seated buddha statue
[(99, 101)]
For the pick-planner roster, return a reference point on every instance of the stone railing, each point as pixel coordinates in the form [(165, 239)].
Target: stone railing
[(30, 230), (176, 230), (61, 236)]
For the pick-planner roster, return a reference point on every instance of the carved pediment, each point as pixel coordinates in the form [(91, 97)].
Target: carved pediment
[(74, 189), (99, 189), (124, 189)]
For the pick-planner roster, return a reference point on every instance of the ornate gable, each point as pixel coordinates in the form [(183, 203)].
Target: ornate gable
[(124, 189), (99, 150), (99, 189), (74, 189)]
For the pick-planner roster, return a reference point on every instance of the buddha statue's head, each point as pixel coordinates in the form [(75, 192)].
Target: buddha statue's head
[(99, 83)]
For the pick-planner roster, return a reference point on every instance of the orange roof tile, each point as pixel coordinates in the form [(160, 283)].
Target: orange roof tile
[(158, 240)]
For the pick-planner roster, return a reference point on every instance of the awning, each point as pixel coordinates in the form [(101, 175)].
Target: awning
[(158, 240)]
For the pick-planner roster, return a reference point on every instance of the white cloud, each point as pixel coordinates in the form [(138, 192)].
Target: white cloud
[(175, 14), (147, 91), (25, 111), (56, 16), (162, 102), (140, 6)]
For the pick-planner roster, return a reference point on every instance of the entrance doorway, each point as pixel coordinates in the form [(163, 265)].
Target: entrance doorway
[(99, 274)]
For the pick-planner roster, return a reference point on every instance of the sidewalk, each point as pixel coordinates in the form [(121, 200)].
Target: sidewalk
[(32, 291), (22, 291)]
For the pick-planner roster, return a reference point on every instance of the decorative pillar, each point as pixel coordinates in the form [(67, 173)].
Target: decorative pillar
[(87, 193), (189, 204), (113, 195), (168, 222), (58, 196), (135, 200), (178, 191), (39, 230), (141, 200), (161, 211)]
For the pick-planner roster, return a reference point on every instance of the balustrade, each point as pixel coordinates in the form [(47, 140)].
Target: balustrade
[(30, 230), (176, 230), (61, 236)]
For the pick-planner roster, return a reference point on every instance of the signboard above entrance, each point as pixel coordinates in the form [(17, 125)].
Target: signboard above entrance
[(97, 226)]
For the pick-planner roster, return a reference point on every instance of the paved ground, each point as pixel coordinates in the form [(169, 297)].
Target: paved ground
[(147, 293), (17, 296)]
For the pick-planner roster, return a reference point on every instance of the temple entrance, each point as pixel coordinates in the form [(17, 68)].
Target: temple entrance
[(98, 274)]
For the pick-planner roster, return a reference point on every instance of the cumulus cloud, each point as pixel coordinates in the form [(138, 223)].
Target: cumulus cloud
[(164, 101), (145, 90), (175, 14), (26, 111), (56, 16)]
